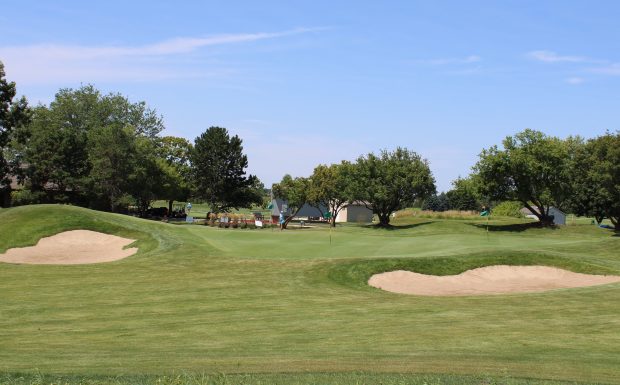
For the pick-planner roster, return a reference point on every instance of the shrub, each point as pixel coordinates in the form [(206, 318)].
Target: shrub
[(436, 203), (508, 209), (26, 197)]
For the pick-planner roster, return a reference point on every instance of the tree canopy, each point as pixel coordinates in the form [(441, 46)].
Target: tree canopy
[(331, 187), (532, 168), (391, 181), (295, 192), (596, 179), (13, 113), (85, 148), (219, 172)]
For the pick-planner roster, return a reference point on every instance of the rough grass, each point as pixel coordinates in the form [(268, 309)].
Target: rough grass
[(280, 306)]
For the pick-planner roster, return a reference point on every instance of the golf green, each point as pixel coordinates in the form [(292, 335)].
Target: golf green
[(199, 299)]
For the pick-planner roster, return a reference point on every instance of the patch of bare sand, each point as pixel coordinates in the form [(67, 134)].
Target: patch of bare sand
[(72, 248), (499, 279)]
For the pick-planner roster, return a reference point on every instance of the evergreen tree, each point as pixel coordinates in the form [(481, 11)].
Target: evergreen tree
[(218, 168)]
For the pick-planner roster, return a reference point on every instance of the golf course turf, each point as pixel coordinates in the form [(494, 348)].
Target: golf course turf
[(269, 306)]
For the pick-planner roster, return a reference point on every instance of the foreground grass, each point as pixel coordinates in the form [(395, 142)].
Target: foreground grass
[(357, 378), (200, 299)]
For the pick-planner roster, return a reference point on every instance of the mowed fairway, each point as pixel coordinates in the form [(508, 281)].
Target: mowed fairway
[(202, 299)]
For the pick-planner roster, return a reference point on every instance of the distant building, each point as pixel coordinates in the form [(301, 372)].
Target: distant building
[(306, 211), (355, 212), (558, 216)]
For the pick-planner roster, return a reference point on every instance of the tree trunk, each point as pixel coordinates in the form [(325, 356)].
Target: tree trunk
[(170, 206), (384, 219), (287, 220), (616, 222), (541, 214)]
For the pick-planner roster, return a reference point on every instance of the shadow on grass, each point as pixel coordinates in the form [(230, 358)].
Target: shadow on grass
[(398, 227), (515, 227)]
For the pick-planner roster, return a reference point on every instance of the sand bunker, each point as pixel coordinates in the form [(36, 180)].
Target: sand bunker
[(487, 280), (72, 248)]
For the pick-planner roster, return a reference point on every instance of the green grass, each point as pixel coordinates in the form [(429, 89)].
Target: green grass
[(289, 307), (349, 378)]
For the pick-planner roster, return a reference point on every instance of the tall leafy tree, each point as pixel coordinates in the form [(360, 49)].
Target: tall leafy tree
[(464, 195), (112, 155), (13, 113), (532, 168), (218, 168), (596, 179), (330, 186), (295, 192), (391, 181), (175, 154), (55, 146)]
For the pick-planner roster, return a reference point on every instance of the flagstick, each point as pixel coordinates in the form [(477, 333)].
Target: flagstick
[(488, 215), (330, 232)]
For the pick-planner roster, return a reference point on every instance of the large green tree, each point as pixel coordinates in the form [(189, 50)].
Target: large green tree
[(295, 192), (331, 187), (13, 113), (532, 168), (112, 156), (464, 195), (218, 168), (391, 181), (176, 168), (54, 148), (596, 179)]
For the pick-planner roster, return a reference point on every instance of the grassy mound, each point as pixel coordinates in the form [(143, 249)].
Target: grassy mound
[(25, 225)]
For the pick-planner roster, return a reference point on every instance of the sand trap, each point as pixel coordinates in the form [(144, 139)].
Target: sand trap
[(499, 279), (72, 248)]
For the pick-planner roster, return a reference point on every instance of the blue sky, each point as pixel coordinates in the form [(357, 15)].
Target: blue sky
[(312, 82)]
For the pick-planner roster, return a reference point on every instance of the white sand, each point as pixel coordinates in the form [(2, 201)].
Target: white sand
[(498, 279), (72, 248)]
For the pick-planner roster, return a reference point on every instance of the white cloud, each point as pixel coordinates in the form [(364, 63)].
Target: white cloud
[(58, 63), (552, 57), (574, 80)]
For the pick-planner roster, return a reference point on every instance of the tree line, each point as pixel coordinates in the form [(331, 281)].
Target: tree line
[(106, 152), (536, 170), (539, 172)]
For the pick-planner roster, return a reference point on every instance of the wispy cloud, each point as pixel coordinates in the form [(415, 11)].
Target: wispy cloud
[(452, 60), (552, 57), (612, 69), (574, 80), (45, 62)]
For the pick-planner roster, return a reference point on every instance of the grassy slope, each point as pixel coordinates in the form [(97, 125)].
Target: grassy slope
[(204, 299)]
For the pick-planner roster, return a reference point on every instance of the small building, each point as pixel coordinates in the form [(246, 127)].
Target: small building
[(306, 211), (558, 216), (356, 212)]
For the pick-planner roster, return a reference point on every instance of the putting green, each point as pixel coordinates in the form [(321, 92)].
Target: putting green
[(202, 299)]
